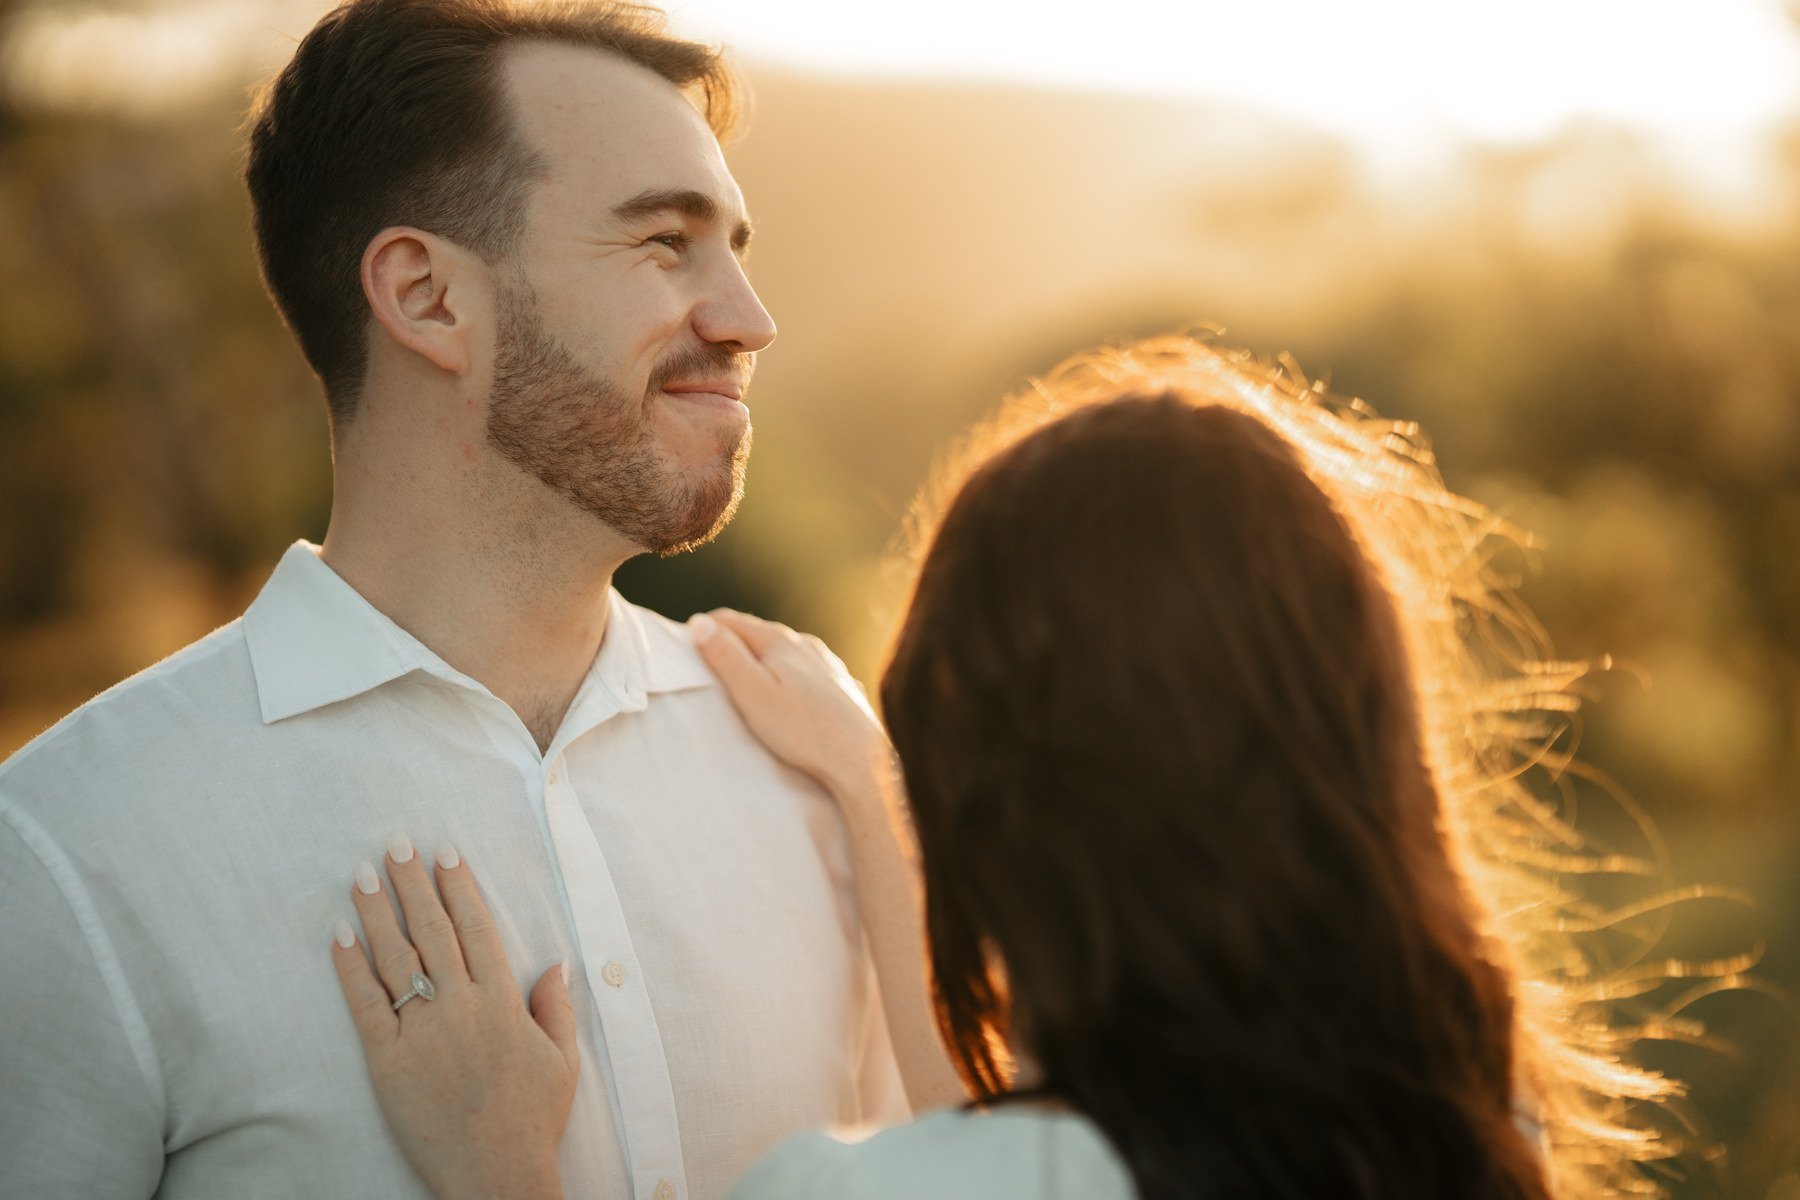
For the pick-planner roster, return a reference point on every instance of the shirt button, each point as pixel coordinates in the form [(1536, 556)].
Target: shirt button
[(614, 973), (665, 1191), (555, 775)]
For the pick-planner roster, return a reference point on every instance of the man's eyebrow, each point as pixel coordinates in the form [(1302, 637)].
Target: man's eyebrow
[(686, 201), (689, 203)]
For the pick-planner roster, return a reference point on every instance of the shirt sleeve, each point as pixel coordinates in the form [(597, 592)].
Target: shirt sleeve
[(78, 1115), (808, 1166)]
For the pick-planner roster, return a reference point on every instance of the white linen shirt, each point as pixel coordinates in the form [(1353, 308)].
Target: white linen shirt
[(174, 854)]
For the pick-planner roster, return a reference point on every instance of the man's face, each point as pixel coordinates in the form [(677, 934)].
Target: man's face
[(626, 329)]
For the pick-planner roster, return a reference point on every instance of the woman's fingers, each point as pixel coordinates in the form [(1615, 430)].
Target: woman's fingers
[(786, 655), (395, 958), (482, 953), (429, 926), (794, 695), (733, 661), (555, 1015), (370, 1007), (760, 635), (479, 1085)]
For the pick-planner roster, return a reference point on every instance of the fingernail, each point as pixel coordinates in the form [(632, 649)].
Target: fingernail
[(400, 848), (367, 882), (703, 626), (447, 856), (565, 972), (346, 937)]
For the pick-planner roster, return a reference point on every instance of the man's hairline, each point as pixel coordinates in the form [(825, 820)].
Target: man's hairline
[(513, 47), (533, 157)]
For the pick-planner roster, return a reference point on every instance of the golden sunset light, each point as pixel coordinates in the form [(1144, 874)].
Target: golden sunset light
[(1511, 292), (1397, 76)]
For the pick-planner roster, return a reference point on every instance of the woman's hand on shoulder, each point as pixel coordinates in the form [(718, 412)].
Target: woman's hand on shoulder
[(796, 696), (475, 1088)]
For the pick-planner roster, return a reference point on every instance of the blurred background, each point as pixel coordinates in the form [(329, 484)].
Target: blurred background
[(1563, 236)]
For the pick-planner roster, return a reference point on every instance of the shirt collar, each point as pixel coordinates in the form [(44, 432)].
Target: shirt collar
[(641, 655), (314, 640)]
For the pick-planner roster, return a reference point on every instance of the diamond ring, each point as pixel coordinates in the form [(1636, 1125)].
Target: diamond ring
[(421, 987)]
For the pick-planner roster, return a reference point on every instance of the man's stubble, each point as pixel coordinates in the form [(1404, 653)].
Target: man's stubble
[(582, 435)]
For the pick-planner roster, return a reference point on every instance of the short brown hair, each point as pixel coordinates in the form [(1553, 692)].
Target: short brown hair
[(391, 113)]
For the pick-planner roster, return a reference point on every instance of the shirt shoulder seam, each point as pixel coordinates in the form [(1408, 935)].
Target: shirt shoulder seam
[(125, 1007)]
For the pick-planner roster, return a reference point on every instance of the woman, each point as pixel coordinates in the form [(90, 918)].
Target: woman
[(1217, 807)]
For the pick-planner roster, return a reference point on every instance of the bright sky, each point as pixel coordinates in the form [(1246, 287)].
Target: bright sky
[(1375, 69), (1381, 71)]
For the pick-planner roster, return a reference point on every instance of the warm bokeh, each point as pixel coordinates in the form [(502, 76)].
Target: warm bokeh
[(1601, 337)]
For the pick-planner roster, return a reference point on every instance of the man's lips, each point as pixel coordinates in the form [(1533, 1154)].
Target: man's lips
[(715, 387)]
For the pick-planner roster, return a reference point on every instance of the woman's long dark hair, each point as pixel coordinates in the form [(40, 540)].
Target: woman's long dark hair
[(1183, 839)]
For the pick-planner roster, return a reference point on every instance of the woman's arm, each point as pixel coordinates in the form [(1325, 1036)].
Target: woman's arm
[(476, 1089), (800, 700)]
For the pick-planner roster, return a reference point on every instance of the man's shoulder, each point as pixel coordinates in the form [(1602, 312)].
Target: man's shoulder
[(666, 639), (671, 661), (208, 685), (656, 625)]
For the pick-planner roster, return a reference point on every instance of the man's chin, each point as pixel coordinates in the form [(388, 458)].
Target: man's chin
[(708, 508), (703, 531)]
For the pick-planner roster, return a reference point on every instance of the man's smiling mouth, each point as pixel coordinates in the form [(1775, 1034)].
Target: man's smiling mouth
[(725, 388)]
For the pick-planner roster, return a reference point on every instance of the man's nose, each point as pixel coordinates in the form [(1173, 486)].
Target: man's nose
[(732, 315)]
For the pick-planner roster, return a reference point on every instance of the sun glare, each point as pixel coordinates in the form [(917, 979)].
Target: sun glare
[(1392, 75), (1380, 69)]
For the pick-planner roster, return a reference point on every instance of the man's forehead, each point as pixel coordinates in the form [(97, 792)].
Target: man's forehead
[(607, 124)]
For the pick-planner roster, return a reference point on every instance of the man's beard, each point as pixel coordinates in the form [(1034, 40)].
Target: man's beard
[(583, 436)]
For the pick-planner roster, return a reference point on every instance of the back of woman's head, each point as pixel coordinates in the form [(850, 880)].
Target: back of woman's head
[(1180, 839)]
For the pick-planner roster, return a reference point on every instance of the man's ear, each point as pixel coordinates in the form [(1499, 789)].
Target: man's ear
[(410, 280)]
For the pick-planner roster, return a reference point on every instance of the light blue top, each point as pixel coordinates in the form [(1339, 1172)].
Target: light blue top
[(1004, 1154)]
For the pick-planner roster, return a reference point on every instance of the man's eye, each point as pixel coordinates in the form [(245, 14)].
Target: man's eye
[(674, 241)]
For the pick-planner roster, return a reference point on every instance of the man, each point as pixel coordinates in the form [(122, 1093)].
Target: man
[(509, 245)]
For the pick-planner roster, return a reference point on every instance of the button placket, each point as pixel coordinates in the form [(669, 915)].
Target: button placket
[(633, 1042)]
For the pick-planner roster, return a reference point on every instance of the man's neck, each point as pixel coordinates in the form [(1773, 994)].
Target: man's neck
[(517, 608)]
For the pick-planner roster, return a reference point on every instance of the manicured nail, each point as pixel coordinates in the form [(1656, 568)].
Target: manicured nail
[(367, 882), (447, 856), (346, 937), (400, 848), (703, 626), (565, 972)]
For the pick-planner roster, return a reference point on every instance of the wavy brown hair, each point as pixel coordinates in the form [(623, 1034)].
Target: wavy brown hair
[(1192, 735)]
